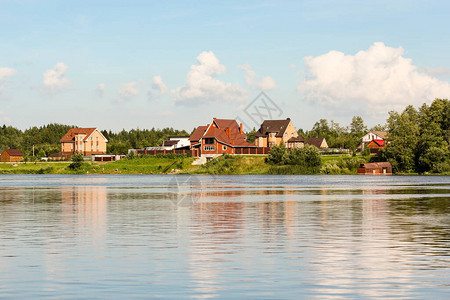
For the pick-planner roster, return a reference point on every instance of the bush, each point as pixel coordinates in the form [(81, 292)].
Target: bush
[(77, 161)]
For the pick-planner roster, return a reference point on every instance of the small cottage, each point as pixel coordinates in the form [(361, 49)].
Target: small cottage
[(379, 168), (11, 155)]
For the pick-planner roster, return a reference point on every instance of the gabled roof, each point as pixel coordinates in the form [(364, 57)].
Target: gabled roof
[(234, 137), (70, 135), (198, 133), (278, 126), (378, 142), (14, 152), (315, 141), (381, 134)]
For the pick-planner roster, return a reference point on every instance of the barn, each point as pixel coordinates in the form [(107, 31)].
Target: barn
[(379, 168)]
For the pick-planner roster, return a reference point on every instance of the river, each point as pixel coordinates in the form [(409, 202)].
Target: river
[(257, 237)]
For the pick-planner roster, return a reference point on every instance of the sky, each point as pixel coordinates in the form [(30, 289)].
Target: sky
[(153, 64)]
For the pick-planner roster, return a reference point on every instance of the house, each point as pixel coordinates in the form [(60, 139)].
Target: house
[(275, 132), (176, 142), (87, 141), (372, 135), (219, 137), (376, 145), (319, 142), (380, 168), (11, 155)]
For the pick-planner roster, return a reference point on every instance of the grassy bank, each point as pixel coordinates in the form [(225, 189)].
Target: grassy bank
[(170, 164)]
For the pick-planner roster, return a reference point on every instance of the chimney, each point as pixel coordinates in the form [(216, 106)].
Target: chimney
[(240, 129)]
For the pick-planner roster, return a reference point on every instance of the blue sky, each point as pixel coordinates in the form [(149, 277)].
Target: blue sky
[(129, 64)]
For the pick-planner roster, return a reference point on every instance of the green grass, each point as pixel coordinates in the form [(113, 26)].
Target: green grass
[(232, 165), (34, 168)]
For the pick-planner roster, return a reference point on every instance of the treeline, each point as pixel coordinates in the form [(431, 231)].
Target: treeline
[(45, 139), (119, 143), (419, 139)]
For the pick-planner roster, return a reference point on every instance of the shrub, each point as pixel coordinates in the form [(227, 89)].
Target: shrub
[(77, 161)]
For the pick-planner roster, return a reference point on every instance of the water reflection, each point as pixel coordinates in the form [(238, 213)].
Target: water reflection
[(252, 237)]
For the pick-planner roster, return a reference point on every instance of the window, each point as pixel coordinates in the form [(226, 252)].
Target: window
[(292, 135), (285, 135), (209, 141), (224, 147), (209, 148)]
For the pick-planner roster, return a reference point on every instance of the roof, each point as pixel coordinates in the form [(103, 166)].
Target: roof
[(315, 141), (278, 126), (381, 134), (296, 139), (376, 165), (198, 133), (70, 135), (13, 152), (169, 143), (234, 137), (378, 142)]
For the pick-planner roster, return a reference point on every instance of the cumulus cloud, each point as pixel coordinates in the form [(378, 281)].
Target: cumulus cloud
[(101, 89), (379, 78), (5, 73), (251, 78), (202, 86), (158, 84), (128, 91), (54, 79), (267, 83)]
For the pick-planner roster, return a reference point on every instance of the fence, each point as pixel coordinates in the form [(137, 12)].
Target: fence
[(252, 151), (156, 152)]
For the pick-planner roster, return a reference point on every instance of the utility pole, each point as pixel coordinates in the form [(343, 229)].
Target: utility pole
[(33, 150)]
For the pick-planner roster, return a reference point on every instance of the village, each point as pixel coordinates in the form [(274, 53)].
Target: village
[(207, 142)]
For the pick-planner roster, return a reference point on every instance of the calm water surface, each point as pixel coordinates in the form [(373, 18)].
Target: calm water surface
[(261, 237)]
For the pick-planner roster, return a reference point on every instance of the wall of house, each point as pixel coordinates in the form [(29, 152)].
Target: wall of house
[(95, 144), (290, 132), (5, 157), (67, 147), (218, 148)]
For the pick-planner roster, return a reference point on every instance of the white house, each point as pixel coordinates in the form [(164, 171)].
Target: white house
[(176, 142)]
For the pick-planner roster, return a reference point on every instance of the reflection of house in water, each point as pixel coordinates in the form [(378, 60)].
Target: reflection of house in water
[(85, 206)]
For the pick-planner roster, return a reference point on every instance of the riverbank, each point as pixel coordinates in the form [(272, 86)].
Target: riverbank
[(226, 165)]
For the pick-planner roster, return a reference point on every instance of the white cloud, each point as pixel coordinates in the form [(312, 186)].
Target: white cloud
[(267, 83), (5, 73), (251, 78), (101, 89), (250, 75), (54, 80), (202, 86), (128, 91), (158, 84), (378, 79)]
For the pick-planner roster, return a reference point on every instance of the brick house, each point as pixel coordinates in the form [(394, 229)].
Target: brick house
[(87, 141), (11, 155), (275, 132), (219, 137)]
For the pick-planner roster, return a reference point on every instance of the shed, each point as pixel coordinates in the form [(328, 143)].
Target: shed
[(11, 155), (379, 168)]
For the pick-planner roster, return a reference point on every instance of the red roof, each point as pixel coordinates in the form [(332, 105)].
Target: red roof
[(70, 135), (228, 132), (378, 142), (198, 133), (14, 152)]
